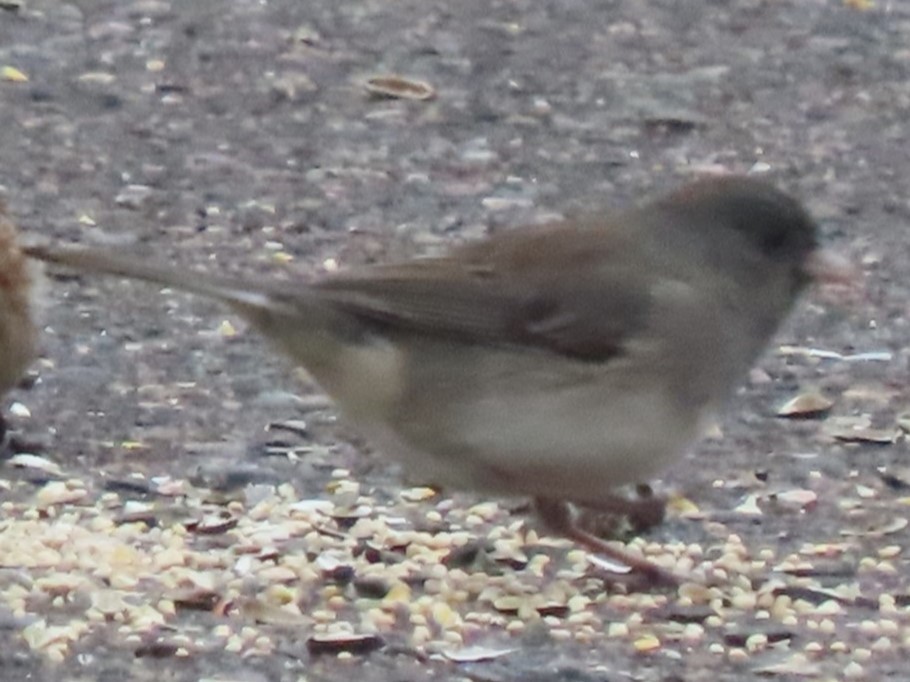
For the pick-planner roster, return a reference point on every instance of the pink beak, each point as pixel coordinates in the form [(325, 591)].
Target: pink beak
[(826, 267)]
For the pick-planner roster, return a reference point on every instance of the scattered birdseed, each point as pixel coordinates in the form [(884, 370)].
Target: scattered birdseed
[(737, 656), (12, 75), (349, 574), (399, 87), (806, 405), (854, 670)]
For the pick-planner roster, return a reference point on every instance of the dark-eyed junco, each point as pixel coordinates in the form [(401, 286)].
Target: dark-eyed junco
[(556, 361), (17, 330)]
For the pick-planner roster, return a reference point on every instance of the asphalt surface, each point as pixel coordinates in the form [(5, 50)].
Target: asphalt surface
[(238, 137)]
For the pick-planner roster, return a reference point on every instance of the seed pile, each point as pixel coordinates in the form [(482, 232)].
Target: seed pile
[(349, 575)]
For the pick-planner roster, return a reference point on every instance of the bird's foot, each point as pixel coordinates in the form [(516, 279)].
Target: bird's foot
[(558, 517)]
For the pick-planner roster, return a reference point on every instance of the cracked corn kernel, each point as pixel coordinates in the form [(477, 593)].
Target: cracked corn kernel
[(829, 607), (420, 635), (756, 642), (13, 75), (882, 644), (737, 655), (444, 615), (646, 644), (854, 670), (693, 633), (889, 552), (744, 601), (888, 626), (398, 593), (515, 627)]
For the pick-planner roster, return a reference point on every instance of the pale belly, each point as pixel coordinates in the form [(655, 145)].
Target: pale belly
[(576, 444), (511, 423)]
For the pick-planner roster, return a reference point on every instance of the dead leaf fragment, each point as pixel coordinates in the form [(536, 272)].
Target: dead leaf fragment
[(888, 527), (806, 406), (800, 499), (194, 598), (160, 648), (335, 643), (749, 506), (399, 87), (875, 436), (871, 356), (27, 461), (473, 654), (213, 524), (797, 664), (859, 430)]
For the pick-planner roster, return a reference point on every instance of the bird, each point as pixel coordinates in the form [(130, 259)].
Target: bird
[(18, 333), (556, 361)]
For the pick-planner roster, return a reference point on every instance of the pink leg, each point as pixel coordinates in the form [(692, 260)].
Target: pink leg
[(643, 512), (557, 515)]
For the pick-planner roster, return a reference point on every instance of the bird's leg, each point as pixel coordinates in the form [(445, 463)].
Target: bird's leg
[(557, 515), (644, 512)]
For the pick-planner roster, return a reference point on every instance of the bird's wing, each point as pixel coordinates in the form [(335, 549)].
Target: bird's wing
[(511, 290)]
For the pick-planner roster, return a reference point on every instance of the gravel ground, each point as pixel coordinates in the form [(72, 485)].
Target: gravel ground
[(194, 510)]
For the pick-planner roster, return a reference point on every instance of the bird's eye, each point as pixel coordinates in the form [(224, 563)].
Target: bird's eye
[(774, 239)]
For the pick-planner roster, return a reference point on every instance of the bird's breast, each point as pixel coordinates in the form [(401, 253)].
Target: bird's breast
[(567, 431)]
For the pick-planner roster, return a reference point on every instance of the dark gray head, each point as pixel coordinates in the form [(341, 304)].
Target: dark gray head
[(748, 224)]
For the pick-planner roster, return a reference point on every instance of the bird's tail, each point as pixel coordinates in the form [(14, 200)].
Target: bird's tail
[(309, 328), (229, 290)]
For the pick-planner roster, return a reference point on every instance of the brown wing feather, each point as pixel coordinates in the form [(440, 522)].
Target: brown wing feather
[(496, 293)]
